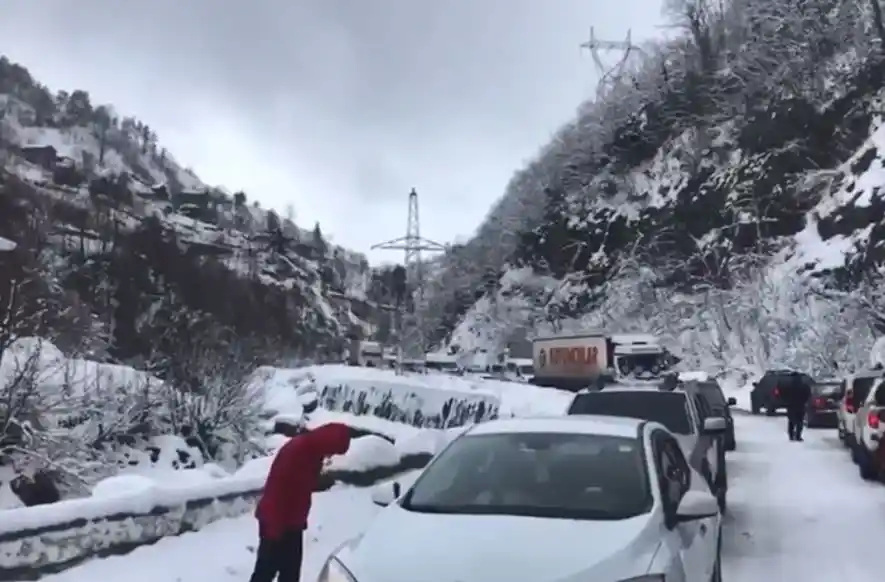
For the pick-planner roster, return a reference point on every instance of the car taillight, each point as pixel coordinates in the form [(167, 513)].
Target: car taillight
[(820, 402), (873, 420), (776, 392)]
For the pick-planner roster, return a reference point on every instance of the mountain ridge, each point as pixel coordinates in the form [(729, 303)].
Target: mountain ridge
[(96, 182), (711, 171)]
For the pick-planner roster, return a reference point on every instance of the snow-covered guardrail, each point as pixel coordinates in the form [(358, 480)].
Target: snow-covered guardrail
[(37, 541), (419, 400)]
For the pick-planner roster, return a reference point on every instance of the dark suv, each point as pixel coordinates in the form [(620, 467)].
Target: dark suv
[(768, 392), (823, 407)]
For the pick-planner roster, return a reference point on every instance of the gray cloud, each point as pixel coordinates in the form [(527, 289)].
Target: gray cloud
[(337, 106)]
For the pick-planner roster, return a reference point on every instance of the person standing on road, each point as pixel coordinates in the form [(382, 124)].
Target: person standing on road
[(285, 502), (797, 395)]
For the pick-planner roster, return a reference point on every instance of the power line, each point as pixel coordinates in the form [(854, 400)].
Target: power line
[(410, 297), (610, 75)]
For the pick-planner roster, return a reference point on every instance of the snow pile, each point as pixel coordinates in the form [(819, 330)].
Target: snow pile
[(6, 245), (123, 486), (365, 453)]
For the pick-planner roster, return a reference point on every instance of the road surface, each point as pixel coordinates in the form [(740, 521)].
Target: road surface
[(799, 510)]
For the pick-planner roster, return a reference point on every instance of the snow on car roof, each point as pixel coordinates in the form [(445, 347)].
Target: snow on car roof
[(585, 424)]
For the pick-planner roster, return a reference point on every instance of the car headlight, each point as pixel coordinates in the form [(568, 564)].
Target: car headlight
[(334, 571)]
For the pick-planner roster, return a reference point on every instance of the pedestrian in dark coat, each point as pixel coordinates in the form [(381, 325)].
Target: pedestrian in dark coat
[(285, 503), (797, 395)]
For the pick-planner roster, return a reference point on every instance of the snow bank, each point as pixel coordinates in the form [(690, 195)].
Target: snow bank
[(128, 511), (122, 486)]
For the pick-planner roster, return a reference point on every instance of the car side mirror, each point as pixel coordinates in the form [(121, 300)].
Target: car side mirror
[(386, 493), (732, 401), (715, 425), (696, 504)]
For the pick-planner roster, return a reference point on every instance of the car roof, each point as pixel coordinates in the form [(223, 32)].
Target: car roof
[(651, 389), (583, 424)]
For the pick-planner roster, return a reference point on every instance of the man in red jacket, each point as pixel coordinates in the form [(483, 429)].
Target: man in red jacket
[(285, 503)]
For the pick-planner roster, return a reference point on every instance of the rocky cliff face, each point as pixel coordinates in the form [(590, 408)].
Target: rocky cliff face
[(725, 194)]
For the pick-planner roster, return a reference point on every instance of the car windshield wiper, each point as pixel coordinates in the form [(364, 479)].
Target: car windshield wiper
[(524, 511)]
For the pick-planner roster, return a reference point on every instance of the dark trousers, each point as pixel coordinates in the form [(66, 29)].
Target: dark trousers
[(279, 557), (795, 422)]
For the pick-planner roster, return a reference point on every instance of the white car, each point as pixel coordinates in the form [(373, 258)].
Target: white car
[(857, 388), (870, 432), (566, 499)]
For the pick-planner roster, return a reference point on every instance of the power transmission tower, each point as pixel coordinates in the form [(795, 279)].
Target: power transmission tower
[(410, 298), (609, 76)]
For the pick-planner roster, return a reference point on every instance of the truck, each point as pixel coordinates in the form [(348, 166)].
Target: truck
[(574, 362)]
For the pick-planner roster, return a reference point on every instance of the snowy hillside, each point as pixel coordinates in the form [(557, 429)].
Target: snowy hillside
[(96, 183), (712, 195)]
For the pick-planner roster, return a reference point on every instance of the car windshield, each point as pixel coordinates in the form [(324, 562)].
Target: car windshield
[(550, 475), (667, 408)]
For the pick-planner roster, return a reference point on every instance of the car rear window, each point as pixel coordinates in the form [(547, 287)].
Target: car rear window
[(861, 389), (713, 393), (826, 389), (667, 408)]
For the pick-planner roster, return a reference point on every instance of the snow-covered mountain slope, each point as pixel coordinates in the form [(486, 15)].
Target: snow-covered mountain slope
[(108, 196), (715, 196)]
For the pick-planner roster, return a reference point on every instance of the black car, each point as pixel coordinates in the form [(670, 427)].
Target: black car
[(823, 408), (720, 406), (768, 392)]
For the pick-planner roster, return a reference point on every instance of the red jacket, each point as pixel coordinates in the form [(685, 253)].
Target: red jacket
[(293, 477)]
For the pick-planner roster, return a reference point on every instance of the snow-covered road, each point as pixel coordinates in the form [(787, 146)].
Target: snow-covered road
[(798, 511)]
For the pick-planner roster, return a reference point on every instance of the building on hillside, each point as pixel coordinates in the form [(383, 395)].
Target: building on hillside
[(197, 205), (45, 156)]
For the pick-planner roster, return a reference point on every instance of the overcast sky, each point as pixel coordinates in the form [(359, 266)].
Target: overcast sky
[(338, 107)]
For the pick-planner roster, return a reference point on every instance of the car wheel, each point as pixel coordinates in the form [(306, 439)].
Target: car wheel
[(754, 407), (865, 466)]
